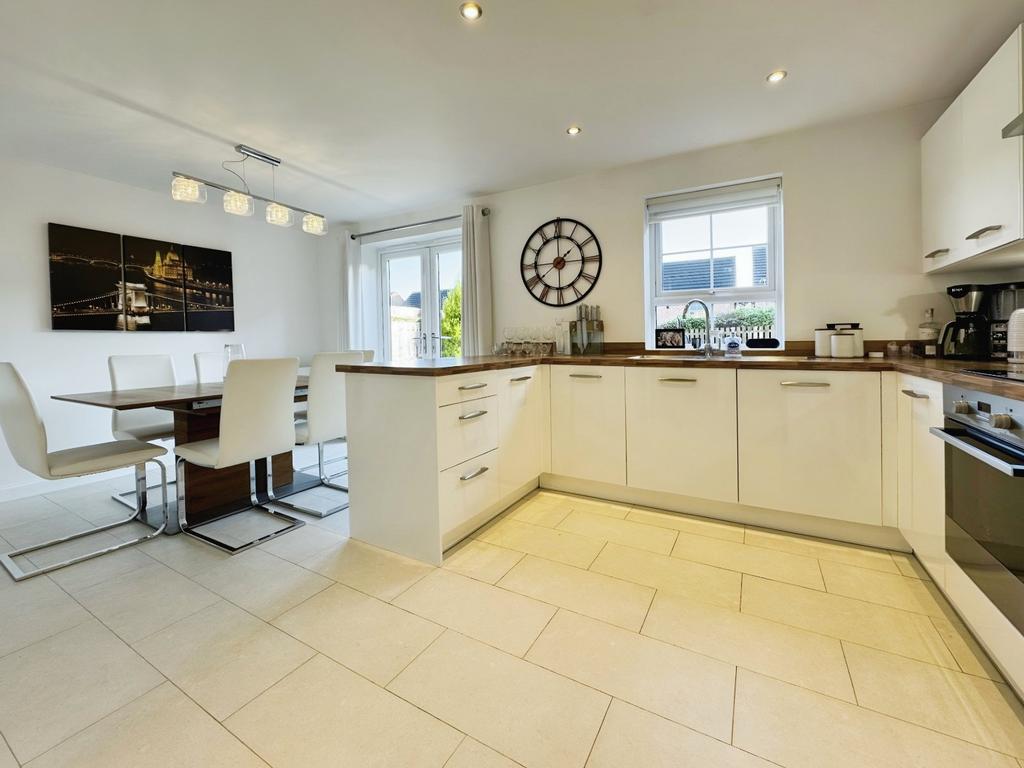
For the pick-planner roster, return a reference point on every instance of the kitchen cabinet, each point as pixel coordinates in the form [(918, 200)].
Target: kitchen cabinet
[(523, 426), (921, 471), (588, 424), (681, 431), (941, 170), (810, 442), (465, 492)]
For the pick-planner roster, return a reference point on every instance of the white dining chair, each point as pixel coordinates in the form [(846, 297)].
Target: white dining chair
[(256, 422), (209, 367), (325, 418), (25, 433), (145, 424)]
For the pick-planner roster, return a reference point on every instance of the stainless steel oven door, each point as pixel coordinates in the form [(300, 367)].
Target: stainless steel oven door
[(985, 514)]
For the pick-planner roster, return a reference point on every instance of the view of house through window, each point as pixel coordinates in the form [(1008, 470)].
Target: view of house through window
[(722, 246)]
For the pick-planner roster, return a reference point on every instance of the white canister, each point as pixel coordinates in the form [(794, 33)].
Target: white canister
[(858, 341), (823, 342), (844, 344)]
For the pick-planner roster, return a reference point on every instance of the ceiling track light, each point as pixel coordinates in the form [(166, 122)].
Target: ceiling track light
[(186, 188)]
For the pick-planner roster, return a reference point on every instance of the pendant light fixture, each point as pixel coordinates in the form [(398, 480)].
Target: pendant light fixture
[(242, 202)]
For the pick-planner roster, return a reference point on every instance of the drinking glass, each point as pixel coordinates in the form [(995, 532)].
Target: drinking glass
[(233, 352)]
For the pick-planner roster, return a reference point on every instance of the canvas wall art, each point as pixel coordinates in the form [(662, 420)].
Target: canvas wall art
[(209, 291), (86, 292)]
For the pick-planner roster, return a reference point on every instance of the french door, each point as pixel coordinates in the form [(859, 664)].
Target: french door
[(421, 290)]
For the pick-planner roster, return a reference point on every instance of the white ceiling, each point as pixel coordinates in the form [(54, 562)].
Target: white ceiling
[(379, 107)]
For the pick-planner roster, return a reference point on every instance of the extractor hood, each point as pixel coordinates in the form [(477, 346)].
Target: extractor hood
[(1014, 128)]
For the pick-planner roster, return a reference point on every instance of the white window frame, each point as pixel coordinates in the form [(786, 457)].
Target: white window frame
[(655, 297)]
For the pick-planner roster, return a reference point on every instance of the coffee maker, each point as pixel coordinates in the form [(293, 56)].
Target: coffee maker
[(1004, 298), (969, 336)]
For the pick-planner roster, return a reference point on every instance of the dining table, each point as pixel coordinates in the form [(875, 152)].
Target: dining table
[(208, 493)]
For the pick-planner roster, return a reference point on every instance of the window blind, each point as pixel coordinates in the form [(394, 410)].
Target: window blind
[(748, 195)]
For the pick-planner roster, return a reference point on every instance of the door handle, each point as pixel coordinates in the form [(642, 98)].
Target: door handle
[(984, 231), (474, 473), (807, 384), (680, 380), (522, 378), (913, 394), (473, 415), (585, 376), (937, 252), (952, 437), (467, 387)]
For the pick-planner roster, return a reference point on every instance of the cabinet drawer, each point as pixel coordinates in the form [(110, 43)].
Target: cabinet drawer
[(468, 493), (467, 386), (465, 430)]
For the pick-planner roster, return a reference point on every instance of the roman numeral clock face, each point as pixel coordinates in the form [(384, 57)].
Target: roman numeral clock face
[(561, 262)]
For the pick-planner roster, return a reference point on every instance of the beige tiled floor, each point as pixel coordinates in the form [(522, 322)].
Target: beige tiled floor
[(568, 633)]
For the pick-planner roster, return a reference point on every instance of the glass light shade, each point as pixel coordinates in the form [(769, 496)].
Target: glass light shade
[(188, 190), (279, 215), (314, 225), (238, 204)]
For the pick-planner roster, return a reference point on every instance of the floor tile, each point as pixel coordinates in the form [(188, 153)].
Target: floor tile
[(69, 550), (161, 729), (183, 553), (6, 756), (540, 513), (583, 503), (757, 561), (836, 551), (701, 526), (492, 615), (481, 561), (798, 728), (910, 566), (244, 527), (686, 687), (60, 685), (877, 626), (302, 543), (371, 570), (965, 649), (615, 601), (222, 657), (967, 707), (146, 601), (339, 523), (553, 544), (88, 573), (625, 532), (371, 637), (324, 716), (633, 737), (893, 590), (39, 530), (282, 585), (33, 508), (34, 609), (535, 717), (472, 754), (317, 501), (803, 658), (671, 574)]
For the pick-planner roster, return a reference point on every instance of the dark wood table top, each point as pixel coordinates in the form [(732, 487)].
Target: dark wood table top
[(178, 396)]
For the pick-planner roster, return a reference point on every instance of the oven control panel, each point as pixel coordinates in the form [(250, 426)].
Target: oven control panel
[(999, 416)]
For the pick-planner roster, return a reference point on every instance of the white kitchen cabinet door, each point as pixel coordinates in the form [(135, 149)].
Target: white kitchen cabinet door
[(993, 204), (467, 496), (811, 442), (523, 432), (681, 431), (942, 183), (588, 422)]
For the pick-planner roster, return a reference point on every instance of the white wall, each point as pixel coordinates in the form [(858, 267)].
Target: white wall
[(852, 226), (285, 292)]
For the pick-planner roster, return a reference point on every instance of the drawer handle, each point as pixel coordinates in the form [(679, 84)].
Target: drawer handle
[(473, 415), (585, 376), (680, 380), (984, 231), (807, 384), (467, 387), (937, 252), (913, 394), (474, 473), (522, 378)]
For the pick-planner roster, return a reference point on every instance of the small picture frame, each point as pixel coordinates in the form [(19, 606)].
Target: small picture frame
[(669, 338)]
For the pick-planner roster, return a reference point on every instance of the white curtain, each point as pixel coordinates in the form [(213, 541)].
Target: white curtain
[(477, 322), (351, 314)]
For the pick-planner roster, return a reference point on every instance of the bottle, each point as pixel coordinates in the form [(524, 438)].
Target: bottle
[(928, 332)]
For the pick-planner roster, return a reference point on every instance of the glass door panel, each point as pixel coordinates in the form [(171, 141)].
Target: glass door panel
[(448, 266), (403, 297)]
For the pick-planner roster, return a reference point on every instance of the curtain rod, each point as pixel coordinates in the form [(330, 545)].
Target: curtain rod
[(356, 236)]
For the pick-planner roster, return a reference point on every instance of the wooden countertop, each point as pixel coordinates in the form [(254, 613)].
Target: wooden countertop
[(946, 371)]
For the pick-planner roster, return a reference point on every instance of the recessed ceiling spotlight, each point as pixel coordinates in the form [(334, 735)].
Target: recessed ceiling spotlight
[(471, 11), (573, 130), (777, 76)]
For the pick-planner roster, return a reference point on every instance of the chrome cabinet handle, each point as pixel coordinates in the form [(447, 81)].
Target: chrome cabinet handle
[(466, 387), (915, 395), (680, 380), (473, 415), (937, 252), (952, 437), (984, 231), (522, 378), (474, 473), (585, 376), (804, 384)]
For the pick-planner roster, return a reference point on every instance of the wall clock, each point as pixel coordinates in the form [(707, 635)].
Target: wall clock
[(561, 262)]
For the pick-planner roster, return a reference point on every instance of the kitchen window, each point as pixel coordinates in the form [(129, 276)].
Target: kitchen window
[(722, 245)]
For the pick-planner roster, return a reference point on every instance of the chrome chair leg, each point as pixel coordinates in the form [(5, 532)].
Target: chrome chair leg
[(19, 574), (324, 481)]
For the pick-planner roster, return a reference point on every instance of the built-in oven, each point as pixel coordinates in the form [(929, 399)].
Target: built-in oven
[(984, 436)]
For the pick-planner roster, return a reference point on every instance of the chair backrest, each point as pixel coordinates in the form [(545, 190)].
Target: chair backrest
[(325, 407), (209, 367), (22, 427), (257, 415), (139, 372)]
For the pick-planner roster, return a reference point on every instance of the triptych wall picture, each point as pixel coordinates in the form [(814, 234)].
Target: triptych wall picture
[(100, 281)]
